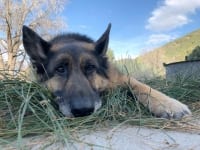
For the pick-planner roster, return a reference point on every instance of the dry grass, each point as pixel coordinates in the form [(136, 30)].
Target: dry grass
[(26, 108)]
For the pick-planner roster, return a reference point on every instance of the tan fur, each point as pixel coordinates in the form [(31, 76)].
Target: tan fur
[(53, 84)]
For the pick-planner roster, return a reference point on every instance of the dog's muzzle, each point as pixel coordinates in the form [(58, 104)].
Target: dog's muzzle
[(77, 107)]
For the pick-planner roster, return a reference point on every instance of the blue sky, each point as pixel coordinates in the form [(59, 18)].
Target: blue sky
[(137, 25)]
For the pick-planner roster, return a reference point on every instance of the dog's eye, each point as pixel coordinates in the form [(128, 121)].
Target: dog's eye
[(90, 69), (61, 69)]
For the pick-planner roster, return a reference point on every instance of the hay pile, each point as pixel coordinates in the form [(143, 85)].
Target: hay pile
[(26, 108)]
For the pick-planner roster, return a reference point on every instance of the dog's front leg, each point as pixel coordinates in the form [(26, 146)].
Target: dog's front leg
[(158, 103)]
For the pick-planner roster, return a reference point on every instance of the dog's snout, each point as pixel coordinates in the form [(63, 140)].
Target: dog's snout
[(81, 107)]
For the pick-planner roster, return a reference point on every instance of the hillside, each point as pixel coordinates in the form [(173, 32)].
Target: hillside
[(171, 52)]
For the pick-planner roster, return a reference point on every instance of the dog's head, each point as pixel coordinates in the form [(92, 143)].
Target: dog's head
[(72, 66)]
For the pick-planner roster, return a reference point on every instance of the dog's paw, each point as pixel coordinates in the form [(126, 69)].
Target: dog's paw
[(170, 109)]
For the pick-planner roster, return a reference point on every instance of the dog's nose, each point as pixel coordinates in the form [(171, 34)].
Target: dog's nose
[(82, 112), (81, 107)]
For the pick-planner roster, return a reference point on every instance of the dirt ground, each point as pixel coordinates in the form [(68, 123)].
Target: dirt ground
[(124, 137)]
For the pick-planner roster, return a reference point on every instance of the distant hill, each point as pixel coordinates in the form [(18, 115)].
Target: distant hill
[(171, 52)]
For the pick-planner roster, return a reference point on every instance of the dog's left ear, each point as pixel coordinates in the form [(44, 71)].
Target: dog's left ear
[(101, 44)]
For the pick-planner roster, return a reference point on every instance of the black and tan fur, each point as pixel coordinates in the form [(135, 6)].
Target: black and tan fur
[(75, 69)]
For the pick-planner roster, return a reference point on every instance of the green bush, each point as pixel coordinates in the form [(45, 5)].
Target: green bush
[(195, 55)]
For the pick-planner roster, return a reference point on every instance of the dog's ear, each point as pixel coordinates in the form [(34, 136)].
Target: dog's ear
[(101, 44), (34, 45)]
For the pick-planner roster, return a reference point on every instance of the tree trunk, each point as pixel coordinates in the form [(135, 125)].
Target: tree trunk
[(2, 69), (11, 63), (1, 63)]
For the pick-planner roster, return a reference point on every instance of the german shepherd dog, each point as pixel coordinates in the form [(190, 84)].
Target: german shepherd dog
[(75, 69)]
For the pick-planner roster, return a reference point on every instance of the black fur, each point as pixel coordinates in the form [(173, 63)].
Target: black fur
[(71, 37)]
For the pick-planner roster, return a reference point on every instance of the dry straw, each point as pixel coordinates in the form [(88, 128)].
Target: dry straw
[(26, 108)]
